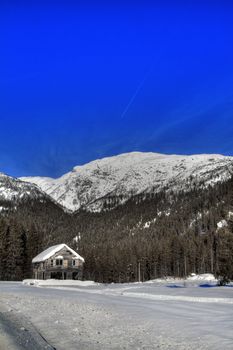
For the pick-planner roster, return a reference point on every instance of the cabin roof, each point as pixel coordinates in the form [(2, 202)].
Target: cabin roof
[(46, 254)]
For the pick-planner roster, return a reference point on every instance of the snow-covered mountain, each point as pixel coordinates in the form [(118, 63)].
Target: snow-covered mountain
[(13, 191), (89, 186)]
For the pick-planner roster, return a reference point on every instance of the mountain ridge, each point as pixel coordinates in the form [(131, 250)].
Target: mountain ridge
[(92, 185), (14, 192)]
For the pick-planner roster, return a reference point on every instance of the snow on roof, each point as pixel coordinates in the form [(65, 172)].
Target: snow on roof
[(46, 254)]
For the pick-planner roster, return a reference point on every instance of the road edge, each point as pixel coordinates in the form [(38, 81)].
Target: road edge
[(21, 331)]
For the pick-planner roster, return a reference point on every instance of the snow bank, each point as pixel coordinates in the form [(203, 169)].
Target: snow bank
[(164, 280), (203, 277), (56, 283), (191, 280)]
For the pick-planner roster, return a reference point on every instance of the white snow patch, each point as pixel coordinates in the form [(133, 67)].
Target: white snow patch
[(148, 223), (222, 223)]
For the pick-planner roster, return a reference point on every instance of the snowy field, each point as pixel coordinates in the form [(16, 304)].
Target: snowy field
[(160, 314)]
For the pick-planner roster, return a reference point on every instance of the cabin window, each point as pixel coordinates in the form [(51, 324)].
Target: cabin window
[(73, 262), (59, 262), (51, 263)]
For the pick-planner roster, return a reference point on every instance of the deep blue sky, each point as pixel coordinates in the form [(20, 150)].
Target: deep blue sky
[(79, 81)]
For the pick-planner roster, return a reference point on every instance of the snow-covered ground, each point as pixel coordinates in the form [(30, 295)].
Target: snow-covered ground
[(161, 314)]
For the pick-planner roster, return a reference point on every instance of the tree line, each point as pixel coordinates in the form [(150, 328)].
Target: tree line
[(151, 235)]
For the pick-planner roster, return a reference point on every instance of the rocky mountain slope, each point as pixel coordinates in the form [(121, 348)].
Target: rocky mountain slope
[(94, 185), (13, 191)]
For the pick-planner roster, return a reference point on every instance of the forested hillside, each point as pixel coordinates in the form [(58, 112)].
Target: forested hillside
[(166, 234)]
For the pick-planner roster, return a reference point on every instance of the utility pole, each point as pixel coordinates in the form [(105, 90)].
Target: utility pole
[(185, 267), (139, 271)]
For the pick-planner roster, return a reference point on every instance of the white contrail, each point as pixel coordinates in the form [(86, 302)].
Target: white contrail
[(140, 85)]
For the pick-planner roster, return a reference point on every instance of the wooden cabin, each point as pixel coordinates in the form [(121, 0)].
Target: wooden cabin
[(58, 262)]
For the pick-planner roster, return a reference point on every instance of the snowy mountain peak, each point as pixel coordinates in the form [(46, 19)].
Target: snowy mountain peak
[(89, 186), (14, 190)]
